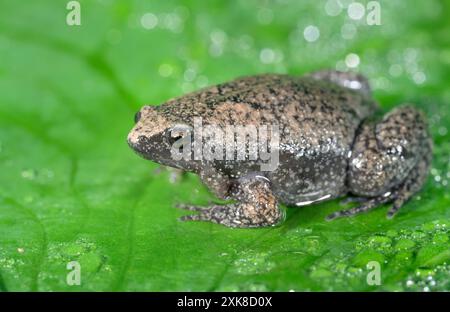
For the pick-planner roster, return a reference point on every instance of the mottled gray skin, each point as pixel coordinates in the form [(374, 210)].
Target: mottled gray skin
[(331, 144)]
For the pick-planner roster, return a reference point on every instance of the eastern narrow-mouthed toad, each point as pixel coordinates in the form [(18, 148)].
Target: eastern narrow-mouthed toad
[(331, 143)]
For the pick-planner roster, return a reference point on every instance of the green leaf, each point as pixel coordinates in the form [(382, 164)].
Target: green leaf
[(72, 190)]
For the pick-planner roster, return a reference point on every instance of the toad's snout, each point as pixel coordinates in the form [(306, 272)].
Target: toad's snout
[(139, 143)]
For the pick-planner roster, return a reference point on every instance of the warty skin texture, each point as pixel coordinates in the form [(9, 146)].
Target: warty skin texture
[(333, 142)]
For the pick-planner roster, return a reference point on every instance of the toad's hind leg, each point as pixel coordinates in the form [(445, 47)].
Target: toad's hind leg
[(412, 184), (390, 161)]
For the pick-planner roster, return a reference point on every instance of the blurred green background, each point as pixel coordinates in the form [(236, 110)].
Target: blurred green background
[(72, 190)]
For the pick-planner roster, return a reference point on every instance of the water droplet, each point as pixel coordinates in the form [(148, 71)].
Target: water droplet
[(202, 81), (244, 44), (172, 22), (267, 56), (265, 16), (218, 39), (29, 174), (380, 83), (352, 60), (149, 20), (190, 74), (215, 50), (440, 238), (218, 36), (355, 11), (419, 77), (165, 70), (410, 55), (442, 131), (405, 244), (187, 87), (250, 262), (333, 7), (311, 33), (395, 70)]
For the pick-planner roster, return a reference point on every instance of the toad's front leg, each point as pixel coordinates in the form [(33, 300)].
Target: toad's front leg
[(255, 206)]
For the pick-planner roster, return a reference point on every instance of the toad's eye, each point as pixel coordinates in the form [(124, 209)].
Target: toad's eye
[(137, 117)]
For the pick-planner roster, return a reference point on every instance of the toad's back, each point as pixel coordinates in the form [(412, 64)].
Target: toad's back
[(317, 120), (307, 110)]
